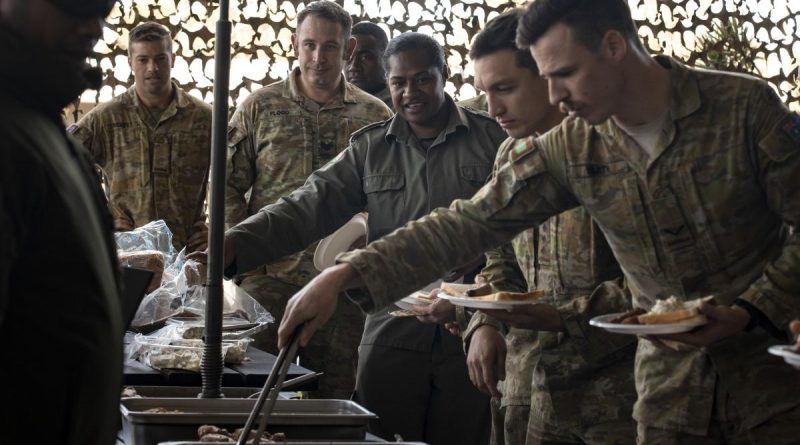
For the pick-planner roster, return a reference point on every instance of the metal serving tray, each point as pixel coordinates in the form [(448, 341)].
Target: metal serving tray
[(322, 419), (191, 392)]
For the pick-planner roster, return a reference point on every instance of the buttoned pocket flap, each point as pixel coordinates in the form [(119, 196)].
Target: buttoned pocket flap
[(383, 183)]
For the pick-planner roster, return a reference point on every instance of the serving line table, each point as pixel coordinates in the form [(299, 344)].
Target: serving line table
[(252, 373)]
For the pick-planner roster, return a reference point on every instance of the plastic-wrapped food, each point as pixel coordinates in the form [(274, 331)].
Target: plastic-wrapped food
[(156, 350), (151, 260), (154, 235)]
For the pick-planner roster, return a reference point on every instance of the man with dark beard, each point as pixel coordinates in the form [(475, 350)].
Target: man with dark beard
[(61, 336)]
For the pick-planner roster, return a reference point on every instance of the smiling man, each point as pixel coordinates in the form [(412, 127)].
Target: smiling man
[(692, 176), (365, 67), (278, 136), (412, 375), (153, 144)]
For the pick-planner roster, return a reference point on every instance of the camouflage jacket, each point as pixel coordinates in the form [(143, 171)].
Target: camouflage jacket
[(705, 216), (478, 102), (276, 139), (386, 172), (155, 171), (568, 256)]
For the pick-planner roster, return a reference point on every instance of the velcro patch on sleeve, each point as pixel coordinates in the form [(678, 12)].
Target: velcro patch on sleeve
[(791, 125), (521, 148)]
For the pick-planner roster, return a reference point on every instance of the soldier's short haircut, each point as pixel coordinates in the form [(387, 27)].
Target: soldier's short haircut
[(414, 41), (371, 29), (149, 32), (329, 11), (500, 34), (589, 20)]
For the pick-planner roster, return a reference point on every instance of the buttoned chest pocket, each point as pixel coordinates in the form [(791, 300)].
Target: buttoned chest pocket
[(475, 174), (284, 152), (385, 202), (725, 204), (190, 161), (611, 193)]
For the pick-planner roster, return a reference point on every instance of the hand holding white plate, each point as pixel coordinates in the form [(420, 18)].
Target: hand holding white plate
[(788, 352), (605, 322), (340, 241)]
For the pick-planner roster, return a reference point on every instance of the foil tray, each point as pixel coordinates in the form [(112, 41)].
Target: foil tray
[(300, 420)]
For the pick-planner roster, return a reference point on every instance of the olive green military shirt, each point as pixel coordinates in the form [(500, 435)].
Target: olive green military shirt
[(705, 216), (386, 172), (276, 139), (156, 170)]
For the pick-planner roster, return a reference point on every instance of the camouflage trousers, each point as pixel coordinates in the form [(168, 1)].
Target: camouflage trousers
[(334, 348), (783, 429), (545, 428), (509, 423)]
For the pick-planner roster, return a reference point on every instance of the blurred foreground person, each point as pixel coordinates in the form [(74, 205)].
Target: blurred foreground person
[(60, 321)]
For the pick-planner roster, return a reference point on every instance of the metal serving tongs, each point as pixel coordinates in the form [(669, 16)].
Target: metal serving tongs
[(271, 388)]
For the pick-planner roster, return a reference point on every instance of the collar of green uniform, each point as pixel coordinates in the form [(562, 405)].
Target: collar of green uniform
[(181, 98), (291, 91), (400, 130), (685, 93)]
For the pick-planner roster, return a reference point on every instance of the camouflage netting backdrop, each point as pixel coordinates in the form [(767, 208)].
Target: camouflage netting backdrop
[(759, 36)]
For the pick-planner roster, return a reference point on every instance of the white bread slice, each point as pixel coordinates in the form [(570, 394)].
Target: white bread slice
[(512, 296), (459, 289)]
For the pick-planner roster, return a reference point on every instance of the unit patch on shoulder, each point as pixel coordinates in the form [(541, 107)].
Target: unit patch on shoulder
[(791, 125), (521, 148)]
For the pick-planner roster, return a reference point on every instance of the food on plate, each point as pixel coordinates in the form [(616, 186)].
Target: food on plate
[(403, 313), (151, 260), (161, 410), (512, 296), (672, 310), (470, 290), (630, 317)]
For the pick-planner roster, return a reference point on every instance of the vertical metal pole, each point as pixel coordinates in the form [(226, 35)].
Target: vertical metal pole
[(211, 365)]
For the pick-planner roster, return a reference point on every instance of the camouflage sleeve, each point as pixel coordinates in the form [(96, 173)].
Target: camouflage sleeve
[(776, 134), (502, 270), (241, 169), (84, 131), (523, 193), (594, 344), (478, 320), (327, 200)]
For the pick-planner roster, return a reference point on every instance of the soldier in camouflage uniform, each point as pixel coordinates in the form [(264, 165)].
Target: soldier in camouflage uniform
[(277, 138), (153, 144), (364, 68), (700, 209), (579, 394)]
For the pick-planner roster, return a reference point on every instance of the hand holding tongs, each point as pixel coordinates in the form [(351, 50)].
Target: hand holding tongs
[(272, 387)]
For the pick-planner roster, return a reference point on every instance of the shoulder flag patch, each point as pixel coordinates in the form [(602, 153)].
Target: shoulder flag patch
[(521, 148), (791, 125)]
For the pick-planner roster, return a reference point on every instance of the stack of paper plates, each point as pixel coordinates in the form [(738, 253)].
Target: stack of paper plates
[(340, 241)]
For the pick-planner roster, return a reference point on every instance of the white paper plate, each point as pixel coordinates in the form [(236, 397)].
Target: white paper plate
[(463, 300), (603, 321), (339, 241), (410, 301), (788, 352)]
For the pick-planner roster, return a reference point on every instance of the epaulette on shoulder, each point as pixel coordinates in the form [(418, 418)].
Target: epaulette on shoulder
[(476, 112), (380, 124)]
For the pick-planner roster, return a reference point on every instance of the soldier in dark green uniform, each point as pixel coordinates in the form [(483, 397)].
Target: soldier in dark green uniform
[(60, 318), (364, 69), (413, 375), (693, 177)]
